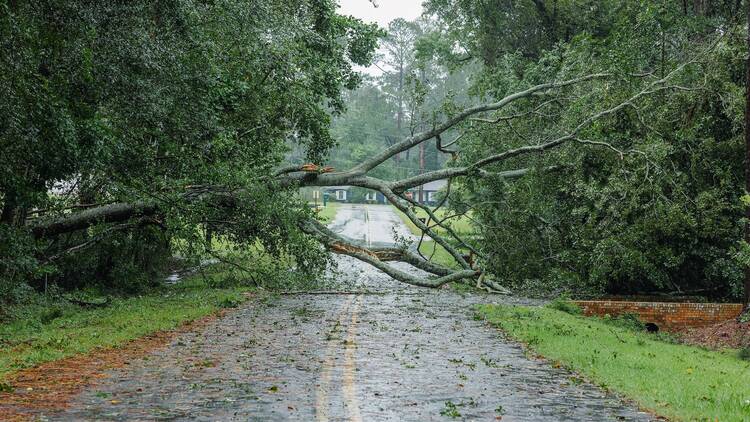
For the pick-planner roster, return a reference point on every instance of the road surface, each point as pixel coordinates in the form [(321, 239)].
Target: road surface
[(403, 354), (372, 225)]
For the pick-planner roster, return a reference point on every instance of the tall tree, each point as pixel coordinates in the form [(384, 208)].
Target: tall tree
[(135, 101), (666, 220), (746, 297), (399, 59)]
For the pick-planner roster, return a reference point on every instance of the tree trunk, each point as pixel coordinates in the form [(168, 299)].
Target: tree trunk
[(746, 299), (421, 171), (400, 114), (110, 213)]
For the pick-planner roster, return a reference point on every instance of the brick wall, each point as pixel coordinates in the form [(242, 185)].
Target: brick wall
[(666, 315)]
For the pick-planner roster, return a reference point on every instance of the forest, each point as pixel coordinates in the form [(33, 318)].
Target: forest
[(597, 147)]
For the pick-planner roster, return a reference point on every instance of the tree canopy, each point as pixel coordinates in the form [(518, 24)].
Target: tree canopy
[(655, 206), (596, 146), (140, 101)]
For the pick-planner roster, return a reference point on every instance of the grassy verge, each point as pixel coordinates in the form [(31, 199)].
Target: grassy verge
[(461, 225), (328, 213), (677, 381), (49, 331), (430, 248), (438, 253)]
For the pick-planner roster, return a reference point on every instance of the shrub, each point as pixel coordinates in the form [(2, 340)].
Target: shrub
[(49, 315), (230, 301), (564, 304), (627, 320), (744, 353), (127, 262)]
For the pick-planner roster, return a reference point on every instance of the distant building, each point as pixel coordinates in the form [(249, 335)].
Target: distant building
[(338, 193), (374, 197), (429, 191), (359, 195)]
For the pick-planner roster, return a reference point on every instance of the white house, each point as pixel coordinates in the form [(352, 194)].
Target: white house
[(338, 193), (429, 191)]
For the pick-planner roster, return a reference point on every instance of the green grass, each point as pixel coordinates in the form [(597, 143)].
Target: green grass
[(46, 332), (460, 225), (677, 381), (440, 256), (328, 213)]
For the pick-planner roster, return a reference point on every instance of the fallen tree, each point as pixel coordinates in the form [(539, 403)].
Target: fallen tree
[(533, 99)]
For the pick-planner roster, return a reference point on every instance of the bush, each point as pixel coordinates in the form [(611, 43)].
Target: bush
[(17, 264), (230, 301), (744, 353), (627, 320), (127, 262), (564, 304), (49, 315)]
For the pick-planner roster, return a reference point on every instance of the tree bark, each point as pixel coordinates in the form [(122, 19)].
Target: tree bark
[(746, 298), (111, 213)]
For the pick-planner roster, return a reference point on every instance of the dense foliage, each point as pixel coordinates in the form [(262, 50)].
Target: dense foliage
[(138, 101), (188, 108), (664, 217)]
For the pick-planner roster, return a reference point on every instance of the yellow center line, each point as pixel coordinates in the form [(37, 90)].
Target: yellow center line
[(321, 399), (350, 393)]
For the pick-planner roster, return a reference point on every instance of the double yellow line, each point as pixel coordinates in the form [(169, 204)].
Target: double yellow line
[(349, 367)]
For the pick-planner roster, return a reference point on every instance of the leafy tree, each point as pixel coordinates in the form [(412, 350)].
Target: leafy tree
[(660, 213), (414, 88), (598, 152), (158, 103)]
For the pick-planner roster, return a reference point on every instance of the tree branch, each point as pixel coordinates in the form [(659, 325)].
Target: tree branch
[(418, 138), (378, 257), (313, 175)]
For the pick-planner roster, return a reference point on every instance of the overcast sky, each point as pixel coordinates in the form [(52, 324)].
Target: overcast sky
[(386, 11)]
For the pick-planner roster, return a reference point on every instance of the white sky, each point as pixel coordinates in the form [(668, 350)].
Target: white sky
[(386, 11)]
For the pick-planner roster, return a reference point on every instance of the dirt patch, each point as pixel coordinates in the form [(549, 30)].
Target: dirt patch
[(50, 386), (731, 334)]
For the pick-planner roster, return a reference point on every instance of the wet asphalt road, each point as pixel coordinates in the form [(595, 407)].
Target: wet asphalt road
[(404, 354), (371, 224)]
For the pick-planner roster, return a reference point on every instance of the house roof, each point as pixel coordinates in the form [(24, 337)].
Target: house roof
[(337, 188), (435, 185)]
